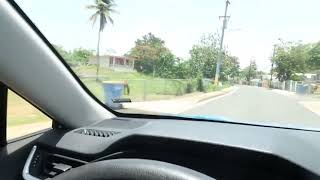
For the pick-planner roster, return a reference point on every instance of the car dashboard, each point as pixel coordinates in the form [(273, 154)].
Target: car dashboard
[(218, 149)]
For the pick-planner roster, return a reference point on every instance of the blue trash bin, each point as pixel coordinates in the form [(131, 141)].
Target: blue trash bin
[(113, 90), (302, 89)]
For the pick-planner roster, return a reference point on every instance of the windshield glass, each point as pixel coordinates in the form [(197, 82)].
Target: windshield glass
[(248, 61)]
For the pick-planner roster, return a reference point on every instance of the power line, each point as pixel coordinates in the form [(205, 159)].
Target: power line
[(224, 25)]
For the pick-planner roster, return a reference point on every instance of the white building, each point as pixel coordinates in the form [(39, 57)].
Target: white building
[(117, 63)]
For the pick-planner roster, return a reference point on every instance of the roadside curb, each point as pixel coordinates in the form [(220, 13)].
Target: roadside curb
[(176, 106), (212, 97), (216, 94)]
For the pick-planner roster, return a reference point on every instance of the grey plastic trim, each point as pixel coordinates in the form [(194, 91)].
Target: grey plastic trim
[(28, 66), (25, 173)]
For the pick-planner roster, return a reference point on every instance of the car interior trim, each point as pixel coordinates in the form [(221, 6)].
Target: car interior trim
[(26, 174), (3, 114)]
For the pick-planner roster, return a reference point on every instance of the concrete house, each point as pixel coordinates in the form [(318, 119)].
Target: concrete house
[(117, 63)]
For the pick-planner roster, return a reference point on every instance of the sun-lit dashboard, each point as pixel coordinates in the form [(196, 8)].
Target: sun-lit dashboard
[(218, 149)]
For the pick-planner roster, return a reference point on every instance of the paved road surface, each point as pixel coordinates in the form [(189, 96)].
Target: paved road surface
[(260, 105)]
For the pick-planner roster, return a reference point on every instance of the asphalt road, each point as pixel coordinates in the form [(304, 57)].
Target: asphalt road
[(261, 106)]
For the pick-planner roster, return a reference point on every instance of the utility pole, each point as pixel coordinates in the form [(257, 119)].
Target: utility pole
[(271, 71), (225, 17), (249, 74)]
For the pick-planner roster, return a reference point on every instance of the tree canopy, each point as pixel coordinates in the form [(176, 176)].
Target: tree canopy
[(314, 56), (102, 10), (81, 55), (204, 59), (152, 56), (293, 57), (250, 72), (78, 56)]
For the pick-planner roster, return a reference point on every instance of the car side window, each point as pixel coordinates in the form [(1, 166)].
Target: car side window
[(23, 118)]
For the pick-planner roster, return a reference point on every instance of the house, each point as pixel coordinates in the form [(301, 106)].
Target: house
[(117, 63)]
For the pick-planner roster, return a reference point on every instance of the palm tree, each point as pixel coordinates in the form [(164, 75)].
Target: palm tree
[(103, 9)]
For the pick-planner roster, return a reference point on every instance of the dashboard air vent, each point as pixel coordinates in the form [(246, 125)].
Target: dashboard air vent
[(95, 132)]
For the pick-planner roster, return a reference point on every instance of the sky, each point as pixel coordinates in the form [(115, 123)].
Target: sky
[(254, 25)]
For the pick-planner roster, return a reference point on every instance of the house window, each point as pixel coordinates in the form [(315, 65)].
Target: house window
[(120, 61)]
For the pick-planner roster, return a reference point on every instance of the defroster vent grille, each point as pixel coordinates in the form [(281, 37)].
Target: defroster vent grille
[(98, 133)]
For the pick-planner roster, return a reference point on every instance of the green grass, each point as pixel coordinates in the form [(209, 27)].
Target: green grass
[(108, 74), (142, 87), (21, 112), (213, 87), (95, 87), (139, 89)]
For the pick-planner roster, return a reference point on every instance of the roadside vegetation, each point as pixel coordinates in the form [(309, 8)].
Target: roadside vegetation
[(143, 87), (159, 74), (293, 59)]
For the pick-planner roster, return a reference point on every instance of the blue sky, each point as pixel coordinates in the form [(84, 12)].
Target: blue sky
[(254, 26)]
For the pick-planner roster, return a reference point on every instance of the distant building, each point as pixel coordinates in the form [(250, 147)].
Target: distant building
[(309, 76), (117, 63)]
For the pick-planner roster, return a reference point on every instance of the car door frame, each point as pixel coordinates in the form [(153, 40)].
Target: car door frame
[(3, 114)]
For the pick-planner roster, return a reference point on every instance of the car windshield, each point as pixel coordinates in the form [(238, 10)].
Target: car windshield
[(246, 61)]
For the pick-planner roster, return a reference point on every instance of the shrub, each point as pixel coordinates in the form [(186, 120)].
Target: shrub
[(189, 88), (200, 86), (297, 78)]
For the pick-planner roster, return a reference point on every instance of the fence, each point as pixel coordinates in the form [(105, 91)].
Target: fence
[(154, 89), (150, 89), (295, 86)]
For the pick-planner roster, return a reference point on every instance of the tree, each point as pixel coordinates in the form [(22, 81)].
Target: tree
[(166, 65), (250, 71), (260, 74), (103, 10), (81, 55), (181, 69), (204, 56), (154, 57), (78, 56), (290, 58), (150, 52), (230, 68), (314, 57), (67, 56)]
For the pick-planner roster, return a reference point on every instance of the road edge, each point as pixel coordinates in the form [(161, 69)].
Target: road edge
[(223, 93)]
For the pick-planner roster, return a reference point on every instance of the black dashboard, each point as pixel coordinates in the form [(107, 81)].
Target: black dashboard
[(218, 149)]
